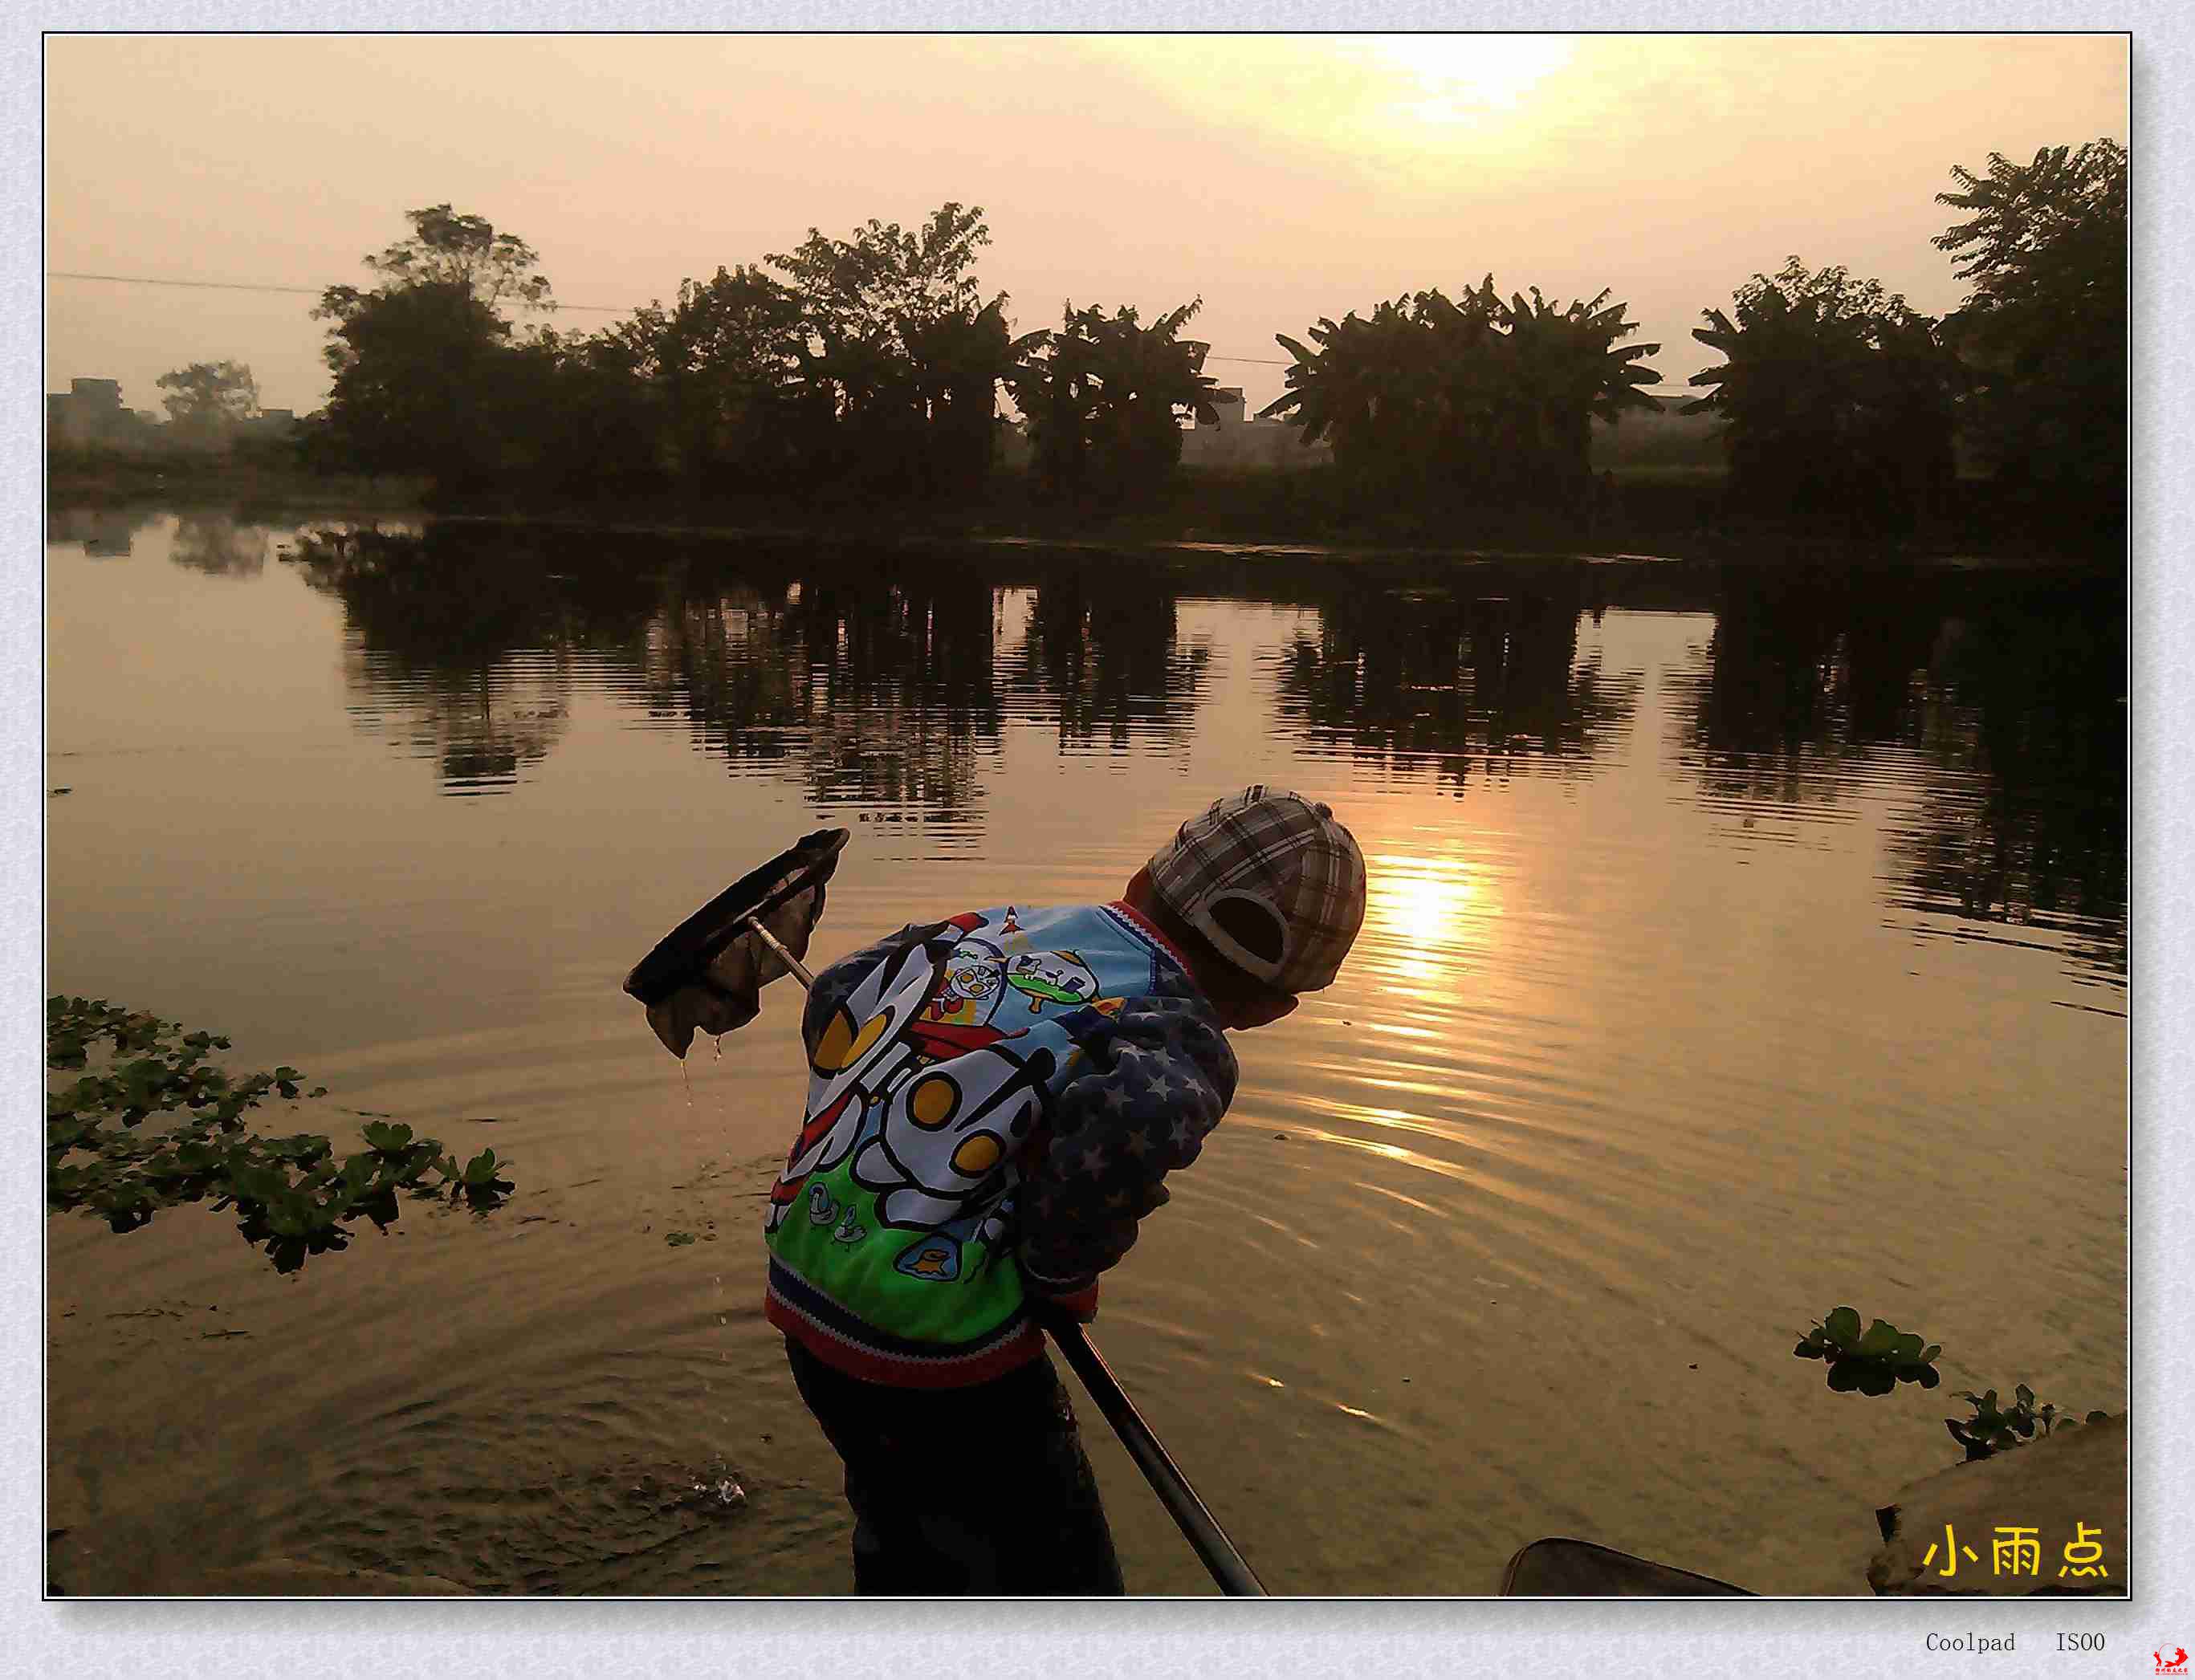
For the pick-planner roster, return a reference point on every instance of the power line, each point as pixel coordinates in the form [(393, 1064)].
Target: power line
[(315, 292), (243, 285)]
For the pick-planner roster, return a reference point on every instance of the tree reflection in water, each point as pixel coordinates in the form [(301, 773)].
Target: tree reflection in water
[(219, 545), (872, 681), (461, 649), (1419, 676), (1992, 708), (866, 692), (1107, 653), (1984, 712)]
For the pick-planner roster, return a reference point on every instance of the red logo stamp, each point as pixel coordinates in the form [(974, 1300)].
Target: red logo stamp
[(2174, 1664)]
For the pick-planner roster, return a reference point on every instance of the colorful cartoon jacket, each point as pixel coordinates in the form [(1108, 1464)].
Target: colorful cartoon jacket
[(993, 1103)]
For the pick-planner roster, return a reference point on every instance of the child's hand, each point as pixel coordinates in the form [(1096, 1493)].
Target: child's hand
[(1078, 1306)]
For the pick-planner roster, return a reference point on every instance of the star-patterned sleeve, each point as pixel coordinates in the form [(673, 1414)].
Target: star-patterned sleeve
[(1148, 1088)]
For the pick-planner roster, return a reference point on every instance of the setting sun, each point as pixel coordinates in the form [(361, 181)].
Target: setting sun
[(1460, 79)]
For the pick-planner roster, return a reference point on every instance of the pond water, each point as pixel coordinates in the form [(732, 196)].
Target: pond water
[(1735, 950)]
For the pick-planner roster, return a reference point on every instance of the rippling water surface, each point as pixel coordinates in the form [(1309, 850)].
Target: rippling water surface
[(1734, 951)]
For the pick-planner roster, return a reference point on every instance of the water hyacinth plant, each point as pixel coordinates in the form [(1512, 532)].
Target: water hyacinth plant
[(1871, 1361), (1876, 1360), (293, 1194), (1995, 1427)]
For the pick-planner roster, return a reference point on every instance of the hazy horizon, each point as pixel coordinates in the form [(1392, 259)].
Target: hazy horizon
[(1280, 177)]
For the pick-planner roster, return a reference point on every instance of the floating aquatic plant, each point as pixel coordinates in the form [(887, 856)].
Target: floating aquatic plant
[(1995, 1428), (1878, 1359), (293, 1194), (1874, 1361)]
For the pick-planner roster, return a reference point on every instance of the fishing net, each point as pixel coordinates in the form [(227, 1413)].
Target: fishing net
[(708, 973)]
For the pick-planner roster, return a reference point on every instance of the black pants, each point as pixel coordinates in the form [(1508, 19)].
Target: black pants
[(984, 1489)]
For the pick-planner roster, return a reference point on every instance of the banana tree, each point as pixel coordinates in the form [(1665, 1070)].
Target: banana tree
[(960, 358), (1372, 387), (1479, 397), (853, 399), (1053, 385), (1565, 370), (1104, 404), (1468, 358)]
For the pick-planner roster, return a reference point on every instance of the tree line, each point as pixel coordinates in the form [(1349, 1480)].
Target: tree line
[(872, 361), (875, 363)]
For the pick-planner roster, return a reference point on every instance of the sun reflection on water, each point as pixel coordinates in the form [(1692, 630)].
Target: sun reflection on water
[(1422, 913)]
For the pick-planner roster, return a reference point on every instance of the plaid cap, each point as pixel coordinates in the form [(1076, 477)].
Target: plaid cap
[(1272, 880)]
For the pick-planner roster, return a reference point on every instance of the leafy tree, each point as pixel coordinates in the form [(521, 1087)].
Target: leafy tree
[(1460, 382), (2045, 327), (1375, 389), (871, 285), (208, 398), (415, 368), (1489, 400), (726, 355), (448, 249), (1838, 398), (959, 359), (1104, 403), (576, 412), (856, 414), (898, 357), (424, 379), (1562, 369)]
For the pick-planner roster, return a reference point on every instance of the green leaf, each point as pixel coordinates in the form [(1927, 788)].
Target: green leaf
[(1842, 1326), (1879, 1339), (1845, 1375), (677, 1239), (2097, 1418)]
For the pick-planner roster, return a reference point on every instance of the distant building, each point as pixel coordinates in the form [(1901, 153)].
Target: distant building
[(90, 415), (1238, 441)]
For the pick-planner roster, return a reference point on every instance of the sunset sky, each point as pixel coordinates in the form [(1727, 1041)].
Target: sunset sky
[(1280, 177)]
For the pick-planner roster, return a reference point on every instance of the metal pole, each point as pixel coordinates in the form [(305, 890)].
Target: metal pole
[(1198, 1526), (799, 970)]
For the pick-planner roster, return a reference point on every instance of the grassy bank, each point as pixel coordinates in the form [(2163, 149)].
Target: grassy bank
[(1677, 513), (242, 481), (1680, 512)]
